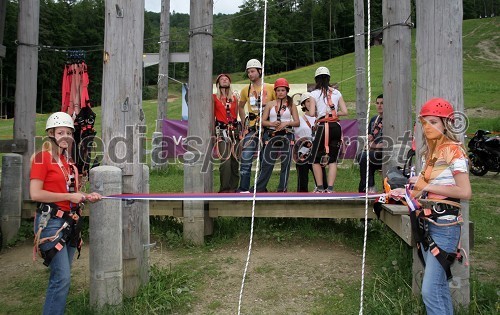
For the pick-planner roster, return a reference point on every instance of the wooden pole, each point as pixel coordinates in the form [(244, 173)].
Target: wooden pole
[(3, 7), (26, 82), (440, 74), (123, 125), (163, 64), (197, 169), (359, 47), (105, 238), (145, 236), (11, 201), (397, 79)]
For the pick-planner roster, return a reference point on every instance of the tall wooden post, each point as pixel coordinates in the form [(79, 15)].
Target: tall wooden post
[(197, 172), (105, 223), (11, 201), (163, 63), (359, 47), (26, 81), (123, 125), (440, 74), (3, 7), (397, 79)]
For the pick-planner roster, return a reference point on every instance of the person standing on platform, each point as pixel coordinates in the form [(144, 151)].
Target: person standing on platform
[(329, 106), (304, 135), (253, 98), (279, 118), (227, 133)]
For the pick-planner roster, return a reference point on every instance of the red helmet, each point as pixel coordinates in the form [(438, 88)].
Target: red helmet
[(281, 82), (437, 107), (220, 76)]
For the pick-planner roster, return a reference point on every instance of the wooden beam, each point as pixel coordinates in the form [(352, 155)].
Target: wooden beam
[(359, 47), (291, 209), (13, 146), (26, 82), (198, 171), (163, 66), (396, 217), (397, 81)]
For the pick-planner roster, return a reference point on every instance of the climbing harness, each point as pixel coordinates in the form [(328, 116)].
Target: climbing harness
[(76, 103), (227, 132), (424, 212), (70, 232), (330, 117)]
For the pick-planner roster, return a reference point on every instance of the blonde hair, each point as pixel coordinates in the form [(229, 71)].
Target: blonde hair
[(448, 133)]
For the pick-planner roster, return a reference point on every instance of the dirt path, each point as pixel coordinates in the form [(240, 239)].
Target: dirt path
[(281, 279)]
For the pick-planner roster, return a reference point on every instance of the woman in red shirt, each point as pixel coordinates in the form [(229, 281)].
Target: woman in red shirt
[(54, 185), (227, 132)]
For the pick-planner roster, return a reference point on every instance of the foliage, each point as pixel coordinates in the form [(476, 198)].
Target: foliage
[(80, 25)]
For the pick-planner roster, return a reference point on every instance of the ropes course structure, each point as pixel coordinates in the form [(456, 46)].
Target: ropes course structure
[(254, 196)]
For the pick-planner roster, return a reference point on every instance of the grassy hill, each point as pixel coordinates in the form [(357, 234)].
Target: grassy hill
[(481, 64)]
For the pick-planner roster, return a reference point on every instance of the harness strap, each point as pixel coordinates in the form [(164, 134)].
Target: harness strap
[(70, 230)]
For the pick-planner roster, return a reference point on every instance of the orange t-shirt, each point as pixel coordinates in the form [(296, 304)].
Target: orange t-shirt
[(46, 169)]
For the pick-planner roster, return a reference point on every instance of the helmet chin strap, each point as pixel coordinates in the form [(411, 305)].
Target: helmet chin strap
[(57, 144)]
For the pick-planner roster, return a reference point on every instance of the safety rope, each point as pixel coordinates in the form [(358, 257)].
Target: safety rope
[(361, 298), (258, 161)]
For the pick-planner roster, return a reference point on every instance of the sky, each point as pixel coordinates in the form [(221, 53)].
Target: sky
[(182, 6)]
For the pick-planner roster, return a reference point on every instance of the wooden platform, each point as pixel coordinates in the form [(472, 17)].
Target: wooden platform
[(346, 209)]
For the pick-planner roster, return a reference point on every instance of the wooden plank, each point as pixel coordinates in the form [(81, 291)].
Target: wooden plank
[(291, 209), (396, 217), (13, 146), (165, 208), (395, 209)]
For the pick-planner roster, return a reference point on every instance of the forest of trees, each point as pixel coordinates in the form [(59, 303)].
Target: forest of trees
[(299, 33)]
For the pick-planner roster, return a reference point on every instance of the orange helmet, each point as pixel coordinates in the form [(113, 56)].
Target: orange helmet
[(281, 82), (220, 76), (438, 107)]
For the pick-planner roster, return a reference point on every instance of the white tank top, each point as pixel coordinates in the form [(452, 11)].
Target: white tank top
[(286, 115)]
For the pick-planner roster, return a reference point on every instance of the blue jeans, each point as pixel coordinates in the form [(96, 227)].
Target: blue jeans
[(435, 289), (60, 270), (249, 148), (277, 145)]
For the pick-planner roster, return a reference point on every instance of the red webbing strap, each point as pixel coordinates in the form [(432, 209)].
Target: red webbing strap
[(327, 132)]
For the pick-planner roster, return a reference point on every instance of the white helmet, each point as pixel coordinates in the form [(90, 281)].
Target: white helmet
[(253, 63), (304, 96), (322, 70), (59, 119)]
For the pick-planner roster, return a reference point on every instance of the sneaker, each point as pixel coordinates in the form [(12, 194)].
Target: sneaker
[(328, 191), (318, 190), (372, 190)]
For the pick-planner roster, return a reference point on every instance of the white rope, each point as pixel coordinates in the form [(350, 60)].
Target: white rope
[(247, 262), (361, 298)]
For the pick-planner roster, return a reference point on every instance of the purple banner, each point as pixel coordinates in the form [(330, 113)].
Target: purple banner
[(175, 132)]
